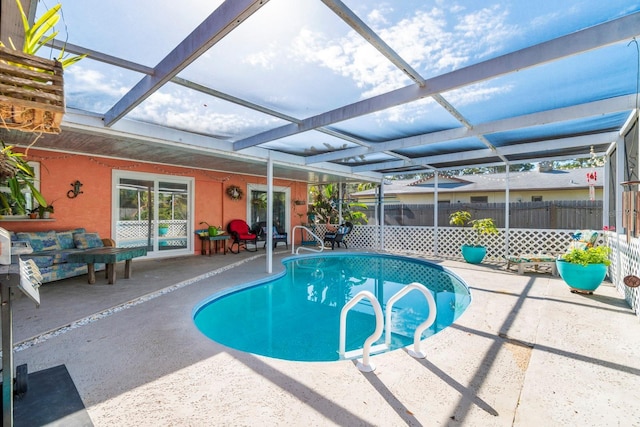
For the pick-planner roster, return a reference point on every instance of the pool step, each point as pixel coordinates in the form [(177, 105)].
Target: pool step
[(375, 349)]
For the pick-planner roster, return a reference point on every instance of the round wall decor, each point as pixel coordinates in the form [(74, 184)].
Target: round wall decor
[(234, 192)]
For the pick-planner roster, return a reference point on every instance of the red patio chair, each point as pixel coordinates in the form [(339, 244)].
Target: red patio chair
[(241, 235)]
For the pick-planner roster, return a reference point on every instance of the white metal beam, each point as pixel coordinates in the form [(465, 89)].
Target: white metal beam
[(562, 143), (215, 27), (591, 109), (581, 41)]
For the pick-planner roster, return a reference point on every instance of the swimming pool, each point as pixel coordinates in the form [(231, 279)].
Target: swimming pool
[(296, 315)]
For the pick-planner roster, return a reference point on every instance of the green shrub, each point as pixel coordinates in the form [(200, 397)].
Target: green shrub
[(596, 255)]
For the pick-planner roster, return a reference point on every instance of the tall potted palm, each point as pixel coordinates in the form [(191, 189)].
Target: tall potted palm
[(472, 251)]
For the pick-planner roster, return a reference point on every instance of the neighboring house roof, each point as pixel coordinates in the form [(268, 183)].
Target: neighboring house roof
[(530, 180)]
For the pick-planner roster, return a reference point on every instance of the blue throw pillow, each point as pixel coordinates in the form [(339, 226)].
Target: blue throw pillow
[(65, 239)]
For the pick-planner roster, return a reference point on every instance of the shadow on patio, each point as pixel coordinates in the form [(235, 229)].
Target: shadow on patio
[(526, 351)]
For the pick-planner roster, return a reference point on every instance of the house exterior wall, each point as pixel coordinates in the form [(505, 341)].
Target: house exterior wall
[(92, 209)]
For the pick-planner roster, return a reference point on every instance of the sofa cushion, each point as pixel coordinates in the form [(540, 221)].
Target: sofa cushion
[(87, 240), (65, 239), (40, 240)]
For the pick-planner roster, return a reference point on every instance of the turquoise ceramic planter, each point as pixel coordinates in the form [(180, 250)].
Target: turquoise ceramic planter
[(473, 254), (582, 278)]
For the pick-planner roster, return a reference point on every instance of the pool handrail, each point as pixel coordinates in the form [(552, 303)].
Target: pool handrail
[(421, 327), (308, 230), (364, 366)]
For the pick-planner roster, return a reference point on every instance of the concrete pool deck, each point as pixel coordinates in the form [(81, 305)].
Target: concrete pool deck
[(527, 352)]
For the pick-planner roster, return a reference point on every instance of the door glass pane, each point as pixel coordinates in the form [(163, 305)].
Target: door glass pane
[(173, 203), (135, 213), (153, 213), (259, 209)]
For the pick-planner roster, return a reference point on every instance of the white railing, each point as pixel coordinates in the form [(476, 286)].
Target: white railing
[(305, 248), (421, 327), (365, 351), (364, 366)]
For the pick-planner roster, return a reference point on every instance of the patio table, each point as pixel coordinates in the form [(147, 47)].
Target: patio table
[(220, 239), (110, 256)]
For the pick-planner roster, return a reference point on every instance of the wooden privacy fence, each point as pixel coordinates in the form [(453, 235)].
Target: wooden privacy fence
[(567, 214)]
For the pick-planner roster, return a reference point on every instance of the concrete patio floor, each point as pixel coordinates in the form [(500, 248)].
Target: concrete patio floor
[(527, 352)]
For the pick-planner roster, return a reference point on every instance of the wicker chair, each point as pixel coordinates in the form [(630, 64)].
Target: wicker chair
[(278, 236), (338, 236)]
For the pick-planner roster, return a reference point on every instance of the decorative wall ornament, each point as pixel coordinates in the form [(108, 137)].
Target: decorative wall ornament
[(72, 194), (234, 192)]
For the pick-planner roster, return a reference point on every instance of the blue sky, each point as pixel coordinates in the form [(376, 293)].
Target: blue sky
[(297, 57)]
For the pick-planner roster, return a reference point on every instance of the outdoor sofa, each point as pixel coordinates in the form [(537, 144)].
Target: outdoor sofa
[(52, 248)]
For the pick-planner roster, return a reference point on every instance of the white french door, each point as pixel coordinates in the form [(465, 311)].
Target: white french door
[(154, 211)]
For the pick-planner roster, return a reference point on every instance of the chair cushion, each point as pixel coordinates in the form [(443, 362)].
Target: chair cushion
[(586, 236), (531, 258), (246, 236)]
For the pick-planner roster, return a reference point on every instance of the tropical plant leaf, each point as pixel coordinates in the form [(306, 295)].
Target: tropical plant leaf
[(36, 36)]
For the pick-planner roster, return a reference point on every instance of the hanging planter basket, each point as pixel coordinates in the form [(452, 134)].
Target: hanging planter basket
[(31, 92)]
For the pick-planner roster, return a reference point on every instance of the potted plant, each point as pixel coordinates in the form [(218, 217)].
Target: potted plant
[(45, 211), (584, 269), (472, 251), (163, 228), (17, 176)]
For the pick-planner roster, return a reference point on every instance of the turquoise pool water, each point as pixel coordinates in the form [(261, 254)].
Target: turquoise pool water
[(296, 316)]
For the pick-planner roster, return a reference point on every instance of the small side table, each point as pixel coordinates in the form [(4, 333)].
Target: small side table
[(206, 243)]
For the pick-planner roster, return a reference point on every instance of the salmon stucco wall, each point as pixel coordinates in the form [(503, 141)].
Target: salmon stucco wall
[(92, 208)]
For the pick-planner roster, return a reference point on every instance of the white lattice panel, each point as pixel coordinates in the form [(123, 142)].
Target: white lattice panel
[(421, 240), (135, 230), (625, 262)]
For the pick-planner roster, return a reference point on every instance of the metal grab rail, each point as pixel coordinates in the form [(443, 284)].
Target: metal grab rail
[(293, 240), (422, 327), (364, 366)]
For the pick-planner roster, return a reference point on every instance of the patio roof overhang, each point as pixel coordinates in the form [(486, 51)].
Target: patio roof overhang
[(555, 97)]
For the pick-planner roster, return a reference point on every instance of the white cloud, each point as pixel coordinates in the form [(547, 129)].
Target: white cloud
[(91, 80), (183, 113), (265, 58), (484, 31), (433, 41)]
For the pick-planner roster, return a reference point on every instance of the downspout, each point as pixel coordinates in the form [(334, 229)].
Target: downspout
[(269, 236), (620, 168), (506, 213), (435, 215), (381, 205), (340, 201)]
